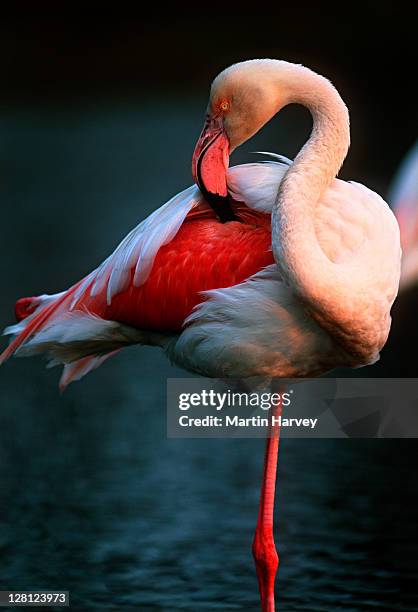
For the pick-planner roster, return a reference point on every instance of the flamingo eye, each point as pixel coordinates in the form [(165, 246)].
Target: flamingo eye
[(224, 106)]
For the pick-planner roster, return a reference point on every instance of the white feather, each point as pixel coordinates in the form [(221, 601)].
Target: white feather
[(138, 250), (77, 369), (256, 184), (256, 328), (75, 335)]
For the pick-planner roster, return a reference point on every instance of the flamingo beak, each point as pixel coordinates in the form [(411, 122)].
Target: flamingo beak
[(211, 158)]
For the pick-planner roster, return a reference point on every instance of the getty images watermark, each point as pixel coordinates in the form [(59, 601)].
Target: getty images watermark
[(315, 408), (219, 401)]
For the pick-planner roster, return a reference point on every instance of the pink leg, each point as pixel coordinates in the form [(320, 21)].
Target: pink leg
[(264, 549)]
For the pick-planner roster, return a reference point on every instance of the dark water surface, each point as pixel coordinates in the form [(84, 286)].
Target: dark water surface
[(94, 498)]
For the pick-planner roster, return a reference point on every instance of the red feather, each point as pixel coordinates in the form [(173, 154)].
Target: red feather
[(204, 254)]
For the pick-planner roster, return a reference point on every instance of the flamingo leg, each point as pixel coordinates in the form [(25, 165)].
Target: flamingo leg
[(264, 549)]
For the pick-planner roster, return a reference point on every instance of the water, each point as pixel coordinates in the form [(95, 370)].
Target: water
[(94, 498)]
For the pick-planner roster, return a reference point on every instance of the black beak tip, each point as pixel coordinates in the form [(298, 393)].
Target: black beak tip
[(221, 206)]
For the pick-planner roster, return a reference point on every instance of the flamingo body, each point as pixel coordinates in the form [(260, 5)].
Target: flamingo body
[(198, 292)]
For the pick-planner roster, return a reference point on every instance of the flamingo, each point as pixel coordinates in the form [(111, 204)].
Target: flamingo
[(270, 269), (403, 196)]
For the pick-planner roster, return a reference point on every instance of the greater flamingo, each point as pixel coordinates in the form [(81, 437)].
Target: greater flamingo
[(299, 269), (403, 197)]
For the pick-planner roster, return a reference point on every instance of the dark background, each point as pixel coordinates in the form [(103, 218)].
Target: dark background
[(63, 56), (99, 112)]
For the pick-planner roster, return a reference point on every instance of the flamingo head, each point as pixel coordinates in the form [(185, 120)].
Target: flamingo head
[(242, 99)]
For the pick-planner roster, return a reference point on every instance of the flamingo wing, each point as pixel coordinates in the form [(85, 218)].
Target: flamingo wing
[(149, 285)]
